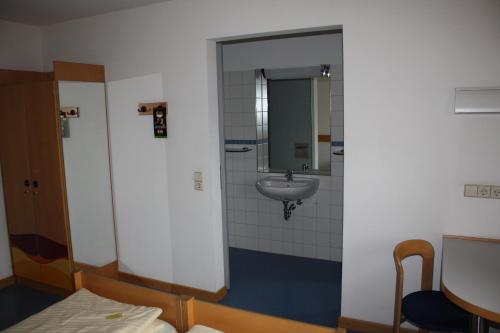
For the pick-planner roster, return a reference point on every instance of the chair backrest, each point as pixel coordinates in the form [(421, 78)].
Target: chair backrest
[(412, 247)]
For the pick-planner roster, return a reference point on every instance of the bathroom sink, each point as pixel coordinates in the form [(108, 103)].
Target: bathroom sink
[(279, 188)]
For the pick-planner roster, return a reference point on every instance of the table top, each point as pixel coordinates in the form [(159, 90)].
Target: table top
[(470, 275)]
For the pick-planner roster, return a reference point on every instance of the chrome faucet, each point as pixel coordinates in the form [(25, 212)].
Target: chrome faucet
[(289, 175)]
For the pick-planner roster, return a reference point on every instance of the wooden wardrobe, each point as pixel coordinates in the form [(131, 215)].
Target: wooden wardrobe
[(33, 180)]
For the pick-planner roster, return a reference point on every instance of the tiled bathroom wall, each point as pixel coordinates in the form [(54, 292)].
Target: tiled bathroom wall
[(256, 222)]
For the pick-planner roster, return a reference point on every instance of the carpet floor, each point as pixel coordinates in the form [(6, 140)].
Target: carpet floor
[(302, 289), (18, 302)]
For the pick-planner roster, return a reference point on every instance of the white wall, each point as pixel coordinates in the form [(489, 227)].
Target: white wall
[(21, 49), (402, 60), (140, 180), (87, 171), (283, 53), (21, 46)]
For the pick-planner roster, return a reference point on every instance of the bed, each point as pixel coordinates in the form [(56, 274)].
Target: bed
[(165, 313), (107, 305)]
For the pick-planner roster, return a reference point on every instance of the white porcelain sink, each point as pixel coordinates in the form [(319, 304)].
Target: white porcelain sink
[(279, 188)]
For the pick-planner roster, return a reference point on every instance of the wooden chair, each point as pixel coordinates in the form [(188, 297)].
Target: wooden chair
[(428, 309)]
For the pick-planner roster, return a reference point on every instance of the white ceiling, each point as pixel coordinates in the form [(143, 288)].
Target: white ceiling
[(44, 12)]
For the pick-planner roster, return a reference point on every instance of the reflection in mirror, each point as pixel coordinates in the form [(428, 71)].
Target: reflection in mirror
[(293, 119), (87, 170)]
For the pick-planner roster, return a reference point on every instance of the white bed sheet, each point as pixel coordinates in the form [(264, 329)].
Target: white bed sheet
[(160, 326), (85, 312), (203, 329)]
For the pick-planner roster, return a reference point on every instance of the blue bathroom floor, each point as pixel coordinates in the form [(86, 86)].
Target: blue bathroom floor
[(302, 289), (18, 303)]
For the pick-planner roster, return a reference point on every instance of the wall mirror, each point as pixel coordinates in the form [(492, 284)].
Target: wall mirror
[(87, 171), (293, 108)]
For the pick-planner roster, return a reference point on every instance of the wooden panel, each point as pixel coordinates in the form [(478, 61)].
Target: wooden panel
[(24, 265), (200, 293), (111, 271), (72, 71), (49, 192), (231, 320), (80, 266), (8, 76), (368, 326), (16, 174), (8, 281), (14, 152), (43, 287), (46, 161), (132, 294), (324, 138), (57, 273)]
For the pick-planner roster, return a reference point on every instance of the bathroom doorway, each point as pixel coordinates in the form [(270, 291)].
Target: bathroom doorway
[(281, 101)]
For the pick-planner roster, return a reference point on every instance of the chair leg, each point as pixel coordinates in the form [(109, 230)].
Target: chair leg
[(478, 325)]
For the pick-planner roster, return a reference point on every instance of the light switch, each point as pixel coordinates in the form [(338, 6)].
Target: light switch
[(483, 191), (198, 181), (470, 191)]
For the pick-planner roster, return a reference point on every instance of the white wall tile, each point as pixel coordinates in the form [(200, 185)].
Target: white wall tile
[(309, 251), (276, 234), (309, 237), (335, 254), (265, 245), (298, 249), (323, 239), (288, 248), (276, 246), (323, 252)]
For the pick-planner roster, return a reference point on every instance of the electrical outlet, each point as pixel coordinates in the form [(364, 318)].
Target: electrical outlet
[(483, 191), (495, 192), (470, 191)]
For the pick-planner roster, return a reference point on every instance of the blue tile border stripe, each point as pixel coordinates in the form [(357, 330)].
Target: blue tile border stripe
[(254, 142), (245, 142), (241, 142)]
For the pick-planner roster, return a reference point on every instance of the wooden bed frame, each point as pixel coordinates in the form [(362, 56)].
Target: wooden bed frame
[(232, 320), (132, 294), (183, 312)]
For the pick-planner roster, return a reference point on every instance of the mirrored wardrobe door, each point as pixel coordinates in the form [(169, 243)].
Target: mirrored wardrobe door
[(87, 169)]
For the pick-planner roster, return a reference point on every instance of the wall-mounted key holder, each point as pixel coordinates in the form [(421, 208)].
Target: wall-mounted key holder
[(146, 109), (66, 113), (70, 112)]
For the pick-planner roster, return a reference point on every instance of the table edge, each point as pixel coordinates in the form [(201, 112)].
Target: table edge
[(469, 307), (471, 238), (477, 310)]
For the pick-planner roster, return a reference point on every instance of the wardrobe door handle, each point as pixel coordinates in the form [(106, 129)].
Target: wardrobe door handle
[(26, 186), (35, 185)]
